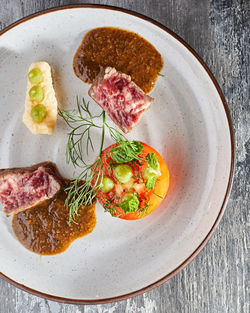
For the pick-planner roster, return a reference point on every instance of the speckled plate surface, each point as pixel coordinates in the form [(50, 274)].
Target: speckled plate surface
[(188, 124)]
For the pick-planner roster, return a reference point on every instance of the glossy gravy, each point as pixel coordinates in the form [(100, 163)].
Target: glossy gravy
[(122, 49), (44, 228)]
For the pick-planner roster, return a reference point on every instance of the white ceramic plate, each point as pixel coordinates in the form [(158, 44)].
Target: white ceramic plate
[(188, 124)]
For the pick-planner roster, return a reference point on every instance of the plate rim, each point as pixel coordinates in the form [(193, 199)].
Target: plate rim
[(230, 179)]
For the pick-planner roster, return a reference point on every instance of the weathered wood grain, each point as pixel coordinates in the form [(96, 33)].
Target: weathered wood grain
[(217, 280)]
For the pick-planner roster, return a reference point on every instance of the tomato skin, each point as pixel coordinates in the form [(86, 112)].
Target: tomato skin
[(150, 196)]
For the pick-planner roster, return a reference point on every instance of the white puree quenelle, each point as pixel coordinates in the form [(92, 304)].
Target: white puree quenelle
[(49, 101)]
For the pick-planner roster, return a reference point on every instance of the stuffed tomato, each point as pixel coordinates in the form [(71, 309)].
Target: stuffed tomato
[(135, 180)]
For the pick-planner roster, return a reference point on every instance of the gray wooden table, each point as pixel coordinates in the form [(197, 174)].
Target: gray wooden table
[(217, 280)]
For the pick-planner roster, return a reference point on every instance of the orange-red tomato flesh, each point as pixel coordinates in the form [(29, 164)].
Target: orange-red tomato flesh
[(149, 200)]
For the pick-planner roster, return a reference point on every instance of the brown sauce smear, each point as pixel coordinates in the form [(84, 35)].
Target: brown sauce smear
[(44, 228), (124, 50)]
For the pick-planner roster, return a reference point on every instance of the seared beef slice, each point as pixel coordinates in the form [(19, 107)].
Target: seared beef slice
[(23, 188), (120, 97)]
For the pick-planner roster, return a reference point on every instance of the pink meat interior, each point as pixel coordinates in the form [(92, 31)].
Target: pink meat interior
[(20, 191), (120, 97)]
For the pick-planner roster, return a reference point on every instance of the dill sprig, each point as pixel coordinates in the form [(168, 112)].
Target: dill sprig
[(83, 189), (110, 207), (80, 130), (144, 210)]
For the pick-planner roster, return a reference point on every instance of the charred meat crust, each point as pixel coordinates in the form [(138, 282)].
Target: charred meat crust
[(22, 170)]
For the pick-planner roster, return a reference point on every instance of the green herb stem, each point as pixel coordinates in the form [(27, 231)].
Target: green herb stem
[(84, 188)]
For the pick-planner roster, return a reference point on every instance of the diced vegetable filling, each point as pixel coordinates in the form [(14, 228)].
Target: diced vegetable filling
[(129, 179)]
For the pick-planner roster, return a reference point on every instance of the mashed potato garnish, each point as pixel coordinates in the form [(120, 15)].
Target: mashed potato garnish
[(40, 104)]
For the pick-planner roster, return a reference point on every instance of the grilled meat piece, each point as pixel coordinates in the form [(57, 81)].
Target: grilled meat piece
[(120, 97), (23, 188)]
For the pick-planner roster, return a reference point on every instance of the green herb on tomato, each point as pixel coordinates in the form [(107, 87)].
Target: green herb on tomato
[(144, 210), (112, 165), (130, 203), (126, 151), (110, 207), (81, 121), (152, 162), (151, 171), (150, 182)]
